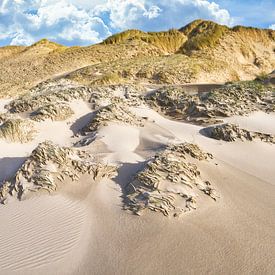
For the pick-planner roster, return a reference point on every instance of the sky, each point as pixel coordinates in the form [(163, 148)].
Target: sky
[(85, 22)]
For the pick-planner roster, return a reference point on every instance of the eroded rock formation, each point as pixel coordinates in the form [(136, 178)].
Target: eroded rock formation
[(170, 182), (112, 113), (231, 132), (54, 111), (49, 165), (210, 107)]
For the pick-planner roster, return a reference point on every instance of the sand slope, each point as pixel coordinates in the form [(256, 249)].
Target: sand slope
[(43, 234), (83, 230)]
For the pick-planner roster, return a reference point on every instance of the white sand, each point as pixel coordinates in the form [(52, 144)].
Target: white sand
[(4, 102), (258, 121), (91, 234), (122, 140), (59, 132), (44, 234)]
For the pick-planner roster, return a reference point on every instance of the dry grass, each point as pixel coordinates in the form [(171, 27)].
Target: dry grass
[(202, 51), (206, 34), (17, 130), (169, 41)]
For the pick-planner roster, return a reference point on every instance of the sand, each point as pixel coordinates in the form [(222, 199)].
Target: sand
[(43, 234), (82, 229), (258, 121), (60, 132), (3, 103)]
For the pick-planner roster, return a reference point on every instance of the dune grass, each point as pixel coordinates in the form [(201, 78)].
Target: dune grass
[(169, 41)]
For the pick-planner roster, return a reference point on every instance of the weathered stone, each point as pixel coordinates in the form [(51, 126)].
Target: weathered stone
[(54, 111), (232, 132), (50, 164), (210, 107), (62, 91), (112, 113), (168, 181)]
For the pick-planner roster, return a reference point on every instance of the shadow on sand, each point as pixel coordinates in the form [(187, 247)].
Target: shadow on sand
[(9, 166)]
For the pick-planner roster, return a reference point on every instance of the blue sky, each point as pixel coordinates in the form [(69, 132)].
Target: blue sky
[(84, 22)]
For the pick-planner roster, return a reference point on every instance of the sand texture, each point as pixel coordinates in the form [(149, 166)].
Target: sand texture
[(118, 179)]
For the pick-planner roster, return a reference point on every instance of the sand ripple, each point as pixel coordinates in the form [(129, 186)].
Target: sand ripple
[(39, 231)]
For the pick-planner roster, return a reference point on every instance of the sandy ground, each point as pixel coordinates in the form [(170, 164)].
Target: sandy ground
[(83, 230), (258, 121), (12, 155), (43, 234), (4, 102)]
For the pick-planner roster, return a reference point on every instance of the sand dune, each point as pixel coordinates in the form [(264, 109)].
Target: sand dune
[(83, 230), (122, 141), (258, 121), (41, 233), (148, 153)]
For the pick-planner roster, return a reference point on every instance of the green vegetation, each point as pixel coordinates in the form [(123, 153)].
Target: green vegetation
[(191, 26), (243, 28), (123, 37), (169, 41), (204, 35), (47, 43)]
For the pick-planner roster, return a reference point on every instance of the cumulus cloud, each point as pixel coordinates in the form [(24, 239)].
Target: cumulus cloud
[(22, 38), (83, 22), (272, 27), (152, 12)]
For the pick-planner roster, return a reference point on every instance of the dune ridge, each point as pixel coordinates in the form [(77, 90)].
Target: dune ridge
[(117, 136)]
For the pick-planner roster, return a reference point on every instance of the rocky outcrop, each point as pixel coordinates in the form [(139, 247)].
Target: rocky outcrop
[(4, 117), (46, 93), (62, 91), (170, 182), (210, 107), (50, 165), (113, 94), (112, 113), (17, 130), (231, 132), (54, 111)]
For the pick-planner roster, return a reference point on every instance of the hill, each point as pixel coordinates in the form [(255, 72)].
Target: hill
[(202, 51)]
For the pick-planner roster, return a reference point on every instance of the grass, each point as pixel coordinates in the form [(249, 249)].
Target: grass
[(169, 41), (17, 130), (204, 35)]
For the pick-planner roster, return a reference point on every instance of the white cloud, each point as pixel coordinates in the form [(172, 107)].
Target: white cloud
[(153, 12), (213, 10), (85, 32), (272, 27), (125, 14), (22, 38), (84, 22)]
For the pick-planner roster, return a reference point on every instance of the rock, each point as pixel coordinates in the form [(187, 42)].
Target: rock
[(54, 111), (46, 93), (112, 113), (191, 149), (112, 94), (50, 164), (209, 108), (61, 91), (231, 132), (169, 180)]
